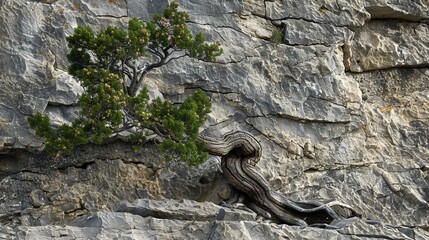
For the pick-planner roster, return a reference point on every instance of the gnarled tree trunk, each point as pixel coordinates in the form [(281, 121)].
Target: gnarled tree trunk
[(240, 152)]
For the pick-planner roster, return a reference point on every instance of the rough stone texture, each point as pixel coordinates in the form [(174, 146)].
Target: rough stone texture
[(301, 32), (126, 225), (408, 10), (341, 109), (144, 9), (184, 210), (45, 190), (389, 44), (338, 13)]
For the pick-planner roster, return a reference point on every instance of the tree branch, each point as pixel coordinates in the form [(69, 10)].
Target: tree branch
[(133, 79), (156, 52), (174, 58), (135, 85)]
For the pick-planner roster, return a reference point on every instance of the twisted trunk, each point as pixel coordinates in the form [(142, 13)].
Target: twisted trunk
[(240, 153)]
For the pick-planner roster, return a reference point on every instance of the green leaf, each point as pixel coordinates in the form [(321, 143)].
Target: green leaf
[(107, 63)]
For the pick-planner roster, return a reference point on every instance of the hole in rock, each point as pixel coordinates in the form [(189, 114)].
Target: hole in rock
[(204, 180)]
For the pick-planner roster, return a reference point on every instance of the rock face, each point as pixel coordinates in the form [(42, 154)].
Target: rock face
[(148, 219), (340, 103)]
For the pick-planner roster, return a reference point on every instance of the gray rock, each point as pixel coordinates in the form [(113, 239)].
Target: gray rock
[(184, 210), (257, 26), (67, 90), (391, 9), (338, 13), (377, 230), (33, 75), (7, 233), (6, 142), (220, 14), (112, 8), (38, 198), (128, 226), (301, 32), (393, 83), (27, 63), (360, 138), (307, 88), (388, 44), (57, 190), (144, 9)]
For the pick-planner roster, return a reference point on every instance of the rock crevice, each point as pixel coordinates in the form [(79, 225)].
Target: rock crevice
[(345, 88)]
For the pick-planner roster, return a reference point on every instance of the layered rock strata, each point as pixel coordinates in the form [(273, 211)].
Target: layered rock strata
[(340, 105)]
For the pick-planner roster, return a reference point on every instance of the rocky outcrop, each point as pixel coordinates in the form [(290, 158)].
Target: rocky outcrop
[(340, 107), (389, 44), (149, 219), (40, 190)]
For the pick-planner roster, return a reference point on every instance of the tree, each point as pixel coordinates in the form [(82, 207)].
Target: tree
[(111, 66)]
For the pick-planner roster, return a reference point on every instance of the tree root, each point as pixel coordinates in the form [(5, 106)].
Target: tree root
[(240, 152)]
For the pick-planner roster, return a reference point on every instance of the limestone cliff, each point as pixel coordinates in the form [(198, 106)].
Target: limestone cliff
[(340, 103)]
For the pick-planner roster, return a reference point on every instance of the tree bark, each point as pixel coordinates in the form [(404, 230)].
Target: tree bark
[(240, 152)]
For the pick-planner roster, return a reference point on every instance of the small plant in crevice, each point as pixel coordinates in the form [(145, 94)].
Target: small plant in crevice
[(277, 36)]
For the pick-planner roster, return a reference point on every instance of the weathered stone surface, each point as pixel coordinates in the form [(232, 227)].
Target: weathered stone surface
[(34, 75), (338, 13), (6, 233), (360, 138), (62, 189), (220, 13), (38, 198), (311, 87), (144, 9), (397, 104), (256, 26), (301, 32), (184, 210), (391, 83), (129, 226), (111, 8), (409, 10), (67, 88), (388, 44), (6, 143), (45, 1)]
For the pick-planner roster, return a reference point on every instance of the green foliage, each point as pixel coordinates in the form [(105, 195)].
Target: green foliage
[(182, 124), (61, 140), (277, 36), (167, 37), (111, 66)]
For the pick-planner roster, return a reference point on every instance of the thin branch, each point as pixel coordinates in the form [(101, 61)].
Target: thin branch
[(123, 128), (157, 128), (164, 59), (174, 58), (127, 73), (135, 85), (156, 52), (134, 77)]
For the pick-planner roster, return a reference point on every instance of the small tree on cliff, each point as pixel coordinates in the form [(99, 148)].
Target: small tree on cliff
[(111, 66)]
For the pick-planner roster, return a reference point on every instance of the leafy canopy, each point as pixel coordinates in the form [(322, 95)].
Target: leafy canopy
[(111, 66)]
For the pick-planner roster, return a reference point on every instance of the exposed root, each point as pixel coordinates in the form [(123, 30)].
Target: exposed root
[(240, 153)]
